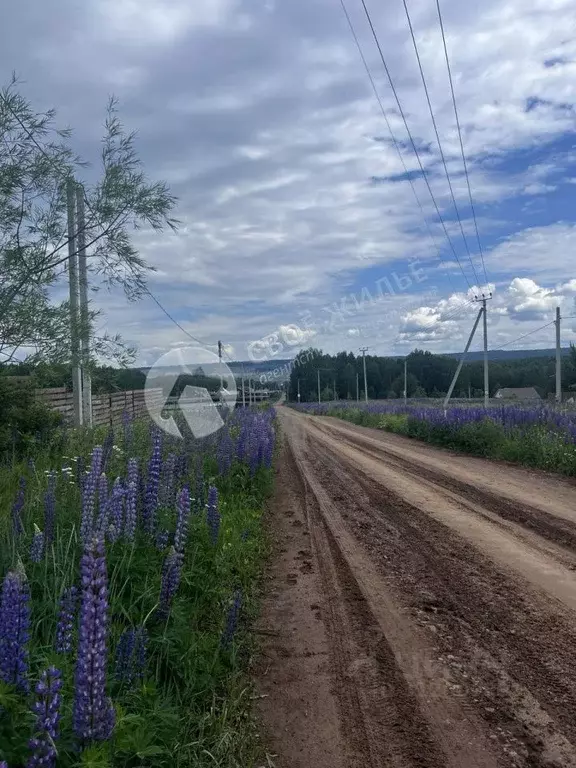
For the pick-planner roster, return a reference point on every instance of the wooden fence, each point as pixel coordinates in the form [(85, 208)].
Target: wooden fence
[(106, 409)]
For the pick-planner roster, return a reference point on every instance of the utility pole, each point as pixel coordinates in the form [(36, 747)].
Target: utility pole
[(220, 365), (318, 386), (558, 357), (405, 380), (364, 350), (84, 316), (74, 314), (486, 382), (461, 363), (357, 387), (298, 390), (334, 388)]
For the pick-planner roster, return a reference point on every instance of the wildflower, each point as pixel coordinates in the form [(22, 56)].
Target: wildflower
[(37, 546), (93, 717), (225, 452), (151, 494), (47, 711), (171, 572), (17, 508), (140, 653), (102, 501), (130, 517), (213, 515), (167, 486), (107, 448), (124, 664), (14, 630), (66, 620), (89, 494), (232, 619), (182, 519), (162, 539)]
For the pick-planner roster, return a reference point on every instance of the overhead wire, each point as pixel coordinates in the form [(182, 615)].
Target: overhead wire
[(524, 336), (472, 207), (454, 312), (390, 131), (435, 125), (412, 142)]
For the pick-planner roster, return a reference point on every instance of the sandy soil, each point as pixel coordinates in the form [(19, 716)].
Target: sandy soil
[(421, 607)]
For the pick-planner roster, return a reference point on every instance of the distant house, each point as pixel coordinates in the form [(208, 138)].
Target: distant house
[(517, 393)]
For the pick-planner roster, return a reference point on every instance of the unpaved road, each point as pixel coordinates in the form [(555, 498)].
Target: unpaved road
[(421, 610)]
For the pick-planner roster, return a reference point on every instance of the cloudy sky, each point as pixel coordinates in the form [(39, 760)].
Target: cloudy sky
[(299, 217)]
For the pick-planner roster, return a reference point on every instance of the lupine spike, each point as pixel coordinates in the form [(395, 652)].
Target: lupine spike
[(14, 630), (93, 716), (66, 620), (182, 519), (232, 619), (171, 572), (151, 494), (37, 546), (131, 516), (47, 711), (124, 665), (88, 496)]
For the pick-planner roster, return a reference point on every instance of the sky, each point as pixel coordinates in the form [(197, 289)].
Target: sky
[(306, 219)]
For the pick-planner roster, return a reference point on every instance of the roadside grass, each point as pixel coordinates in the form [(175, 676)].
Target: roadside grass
[(183, 697)]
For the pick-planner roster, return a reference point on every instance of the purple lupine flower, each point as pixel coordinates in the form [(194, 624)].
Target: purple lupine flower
[(182, 519), (103, 508), (213, 514), (107, 448), (168, 479), (171, 572), (37, 546), (140, 653), (225, 452), (17, 508), (232, 619), (3, 764), (130, 517), (50, 508), (116, 515), (162, 539), (88, 496), (47, 711), (151, 494), (200, 482), (66, 620), (14, 630), (181, 466), (124, 663), (93, 717)]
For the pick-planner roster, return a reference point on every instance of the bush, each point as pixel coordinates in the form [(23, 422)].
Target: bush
[(24, 422)]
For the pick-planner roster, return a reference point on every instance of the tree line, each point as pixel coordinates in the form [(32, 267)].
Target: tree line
[(428, 375)]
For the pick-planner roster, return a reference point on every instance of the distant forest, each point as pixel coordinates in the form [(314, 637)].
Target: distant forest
[(428, 375)]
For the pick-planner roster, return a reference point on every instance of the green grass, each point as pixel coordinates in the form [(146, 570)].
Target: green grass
[(193, 707)]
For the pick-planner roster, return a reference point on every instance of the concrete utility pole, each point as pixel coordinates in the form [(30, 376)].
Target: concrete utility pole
[(405, 380), (74, 314), (364, 350), (461, 363), (298, 390), (220, 365), (84, 316), (486, 382), (558, 357), (318, 372), (357, 386)]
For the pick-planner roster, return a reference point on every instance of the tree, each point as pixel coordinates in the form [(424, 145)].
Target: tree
[(35, 163)]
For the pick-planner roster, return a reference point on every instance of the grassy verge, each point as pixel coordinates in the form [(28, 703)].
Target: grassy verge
[(542, 445), (162, 679)]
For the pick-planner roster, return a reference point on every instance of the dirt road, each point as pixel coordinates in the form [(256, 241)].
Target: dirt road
[(422, 607)]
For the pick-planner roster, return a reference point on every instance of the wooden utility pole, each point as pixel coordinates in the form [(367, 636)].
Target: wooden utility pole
[(405, 380), (74, 298), (485, 326), (84, 315), (318, 386), (357, 387)]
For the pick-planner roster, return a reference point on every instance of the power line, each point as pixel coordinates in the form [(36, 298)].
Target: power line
[(401, 111), (414, 43), (392, 136), (525, 335), (472, 208)]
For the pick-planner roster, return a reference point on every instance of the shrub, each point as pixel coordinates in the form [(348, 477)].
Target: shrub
[(23, 421)]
